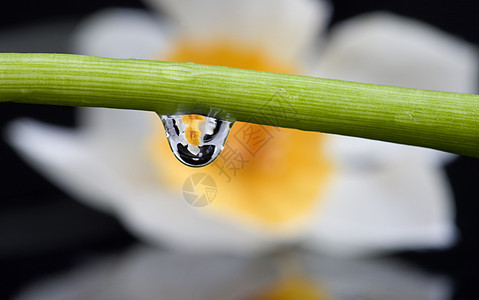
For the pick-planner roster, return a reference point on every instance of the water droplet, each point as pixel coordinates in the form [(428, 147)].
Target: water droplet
[(196, 140)]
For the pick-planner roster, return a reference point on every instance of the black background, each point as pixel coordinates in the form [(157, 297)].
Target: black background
[(43, 231)]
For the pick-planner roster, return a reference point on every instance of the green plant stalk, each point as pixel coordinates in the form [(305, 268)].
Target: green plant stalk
[(439, 120)]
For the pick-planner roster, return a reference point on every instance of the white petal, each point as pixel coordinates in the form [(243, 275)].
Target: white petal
[(129, 128), (375, 209), (356, 153), (65, 160), (121, 33), (106, 177), (279, 27), (389, 196), (119, 137), (173, 222), (386, 49)]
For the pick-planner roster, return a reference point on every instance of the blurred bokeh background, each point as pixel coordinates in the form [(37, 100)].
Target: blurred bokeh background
[(44, 232)]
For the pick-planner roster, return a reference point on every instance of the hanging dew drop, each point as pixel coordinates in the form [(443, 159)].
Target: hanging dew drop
[(196, 140)]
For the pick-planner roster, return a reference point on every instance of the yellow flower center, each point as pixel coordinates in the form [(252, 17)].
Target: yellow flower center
[(293, 288), (192, 132), (267, 175)]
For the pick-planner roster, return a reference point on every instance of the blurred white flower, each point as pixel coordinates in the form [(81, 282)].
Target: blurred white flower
[(335, 194)]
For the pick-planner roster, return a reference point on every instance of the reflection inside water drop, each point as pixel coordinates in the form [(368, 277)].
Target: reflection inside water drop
[(196, 140)]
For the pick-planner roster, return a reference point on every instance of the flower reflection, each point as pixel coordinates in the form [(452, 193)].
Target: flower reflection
[(334, 194), (145, 273)]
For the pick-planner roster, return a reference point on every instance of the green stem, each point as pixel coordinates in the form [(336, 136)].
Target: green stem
[(439, 120)]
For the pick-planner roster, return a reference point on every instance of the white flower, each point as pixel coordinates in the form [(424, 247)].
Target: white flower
[(335, 194)]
